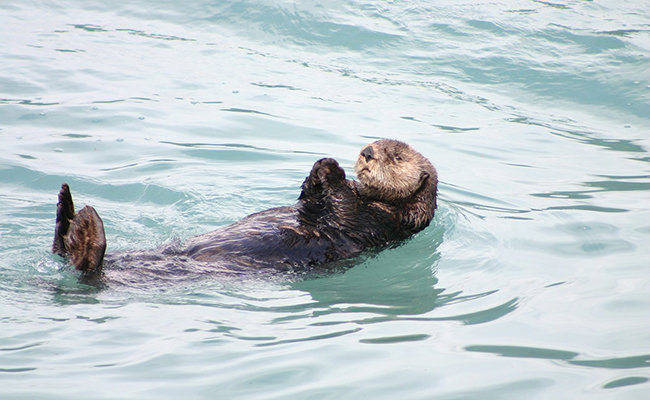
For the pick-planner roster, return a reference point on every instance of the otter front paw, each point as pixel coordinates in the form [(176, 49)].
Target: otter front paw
[(327, 172)]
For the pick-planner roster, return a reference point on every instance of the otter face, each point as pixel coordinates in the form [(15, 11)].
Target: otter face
[(392, 170)]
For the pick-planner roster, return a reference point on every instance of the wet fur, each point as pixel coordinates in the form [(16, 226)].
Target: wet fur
[(334, 219), (79, 236)]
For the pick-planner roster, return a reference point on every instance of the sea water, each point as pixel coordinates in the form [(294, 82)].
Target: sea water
[(175, 118)]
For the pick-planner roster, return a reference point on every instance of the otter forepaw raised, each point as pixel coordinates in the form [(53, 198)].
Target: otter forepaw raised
[(325, 175), (328, 172)]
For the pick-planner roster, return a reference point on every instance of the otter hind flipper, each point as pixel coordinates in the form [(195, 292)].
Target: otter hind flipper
[(64, 213), (85, 241), (78, 236)]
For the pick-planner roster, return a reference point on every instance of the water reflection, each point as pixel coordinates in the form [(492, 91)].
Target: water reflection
[(586, 137), (641, 361), (377, 288)]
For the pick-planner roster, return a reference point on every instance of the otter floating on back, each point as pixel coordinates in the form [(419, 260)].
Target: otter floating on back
[(334, 219)]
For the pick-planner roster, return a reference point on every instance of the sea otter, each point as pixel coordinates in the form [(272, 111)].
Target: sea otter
[(334, 219)]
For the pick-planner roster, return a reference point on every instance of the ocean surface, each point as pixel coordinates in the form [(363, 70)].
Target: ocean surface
[(175, 118)]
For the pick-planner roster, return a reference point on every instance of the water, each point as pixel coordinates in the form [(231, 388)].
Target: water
[(175, 118)]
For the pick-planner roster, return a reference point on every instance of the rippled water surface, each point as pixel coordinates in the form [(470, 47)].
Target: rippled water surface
[(175, 118)]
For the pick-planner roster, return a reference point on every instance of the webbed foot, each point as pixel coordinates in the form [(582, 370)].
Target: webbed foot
[(78, 236)]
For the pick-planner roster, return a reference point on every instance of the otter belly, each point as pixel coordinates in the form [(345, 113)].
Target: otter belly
[(274, 238)]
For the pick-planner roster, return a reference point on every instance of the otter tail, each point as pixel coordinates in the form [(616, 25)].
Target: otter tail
[(78, 236)]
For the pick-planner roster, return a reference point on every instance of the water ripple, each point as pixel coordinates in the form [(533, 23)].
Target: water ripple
[(574, 358)]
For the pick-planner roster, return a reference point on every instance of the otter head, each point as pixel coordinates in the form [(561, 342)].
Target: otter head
[(391, 171)]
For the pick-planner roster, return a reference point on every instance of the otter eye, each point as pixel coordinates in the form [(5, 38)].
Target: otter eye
[(397, 157)]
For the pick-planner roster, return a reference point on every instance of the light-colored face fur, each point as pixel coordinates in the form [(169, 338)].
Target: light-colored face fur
[(392, 170)]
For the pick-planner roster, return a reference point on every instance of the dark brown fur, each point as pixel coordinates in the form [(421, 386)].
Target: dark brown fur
[(79, 236), (334, 219)]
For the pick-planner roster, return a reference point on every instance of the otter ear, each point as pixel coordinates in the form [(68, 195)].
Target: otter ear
[(423, 178)]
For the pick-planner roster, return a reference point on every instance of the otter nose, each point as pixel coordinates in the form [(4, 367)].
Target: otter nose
[(368, 153)]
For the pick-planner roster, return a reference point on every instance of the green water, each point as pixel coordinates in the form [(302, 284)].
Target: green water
[(173, 119)]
